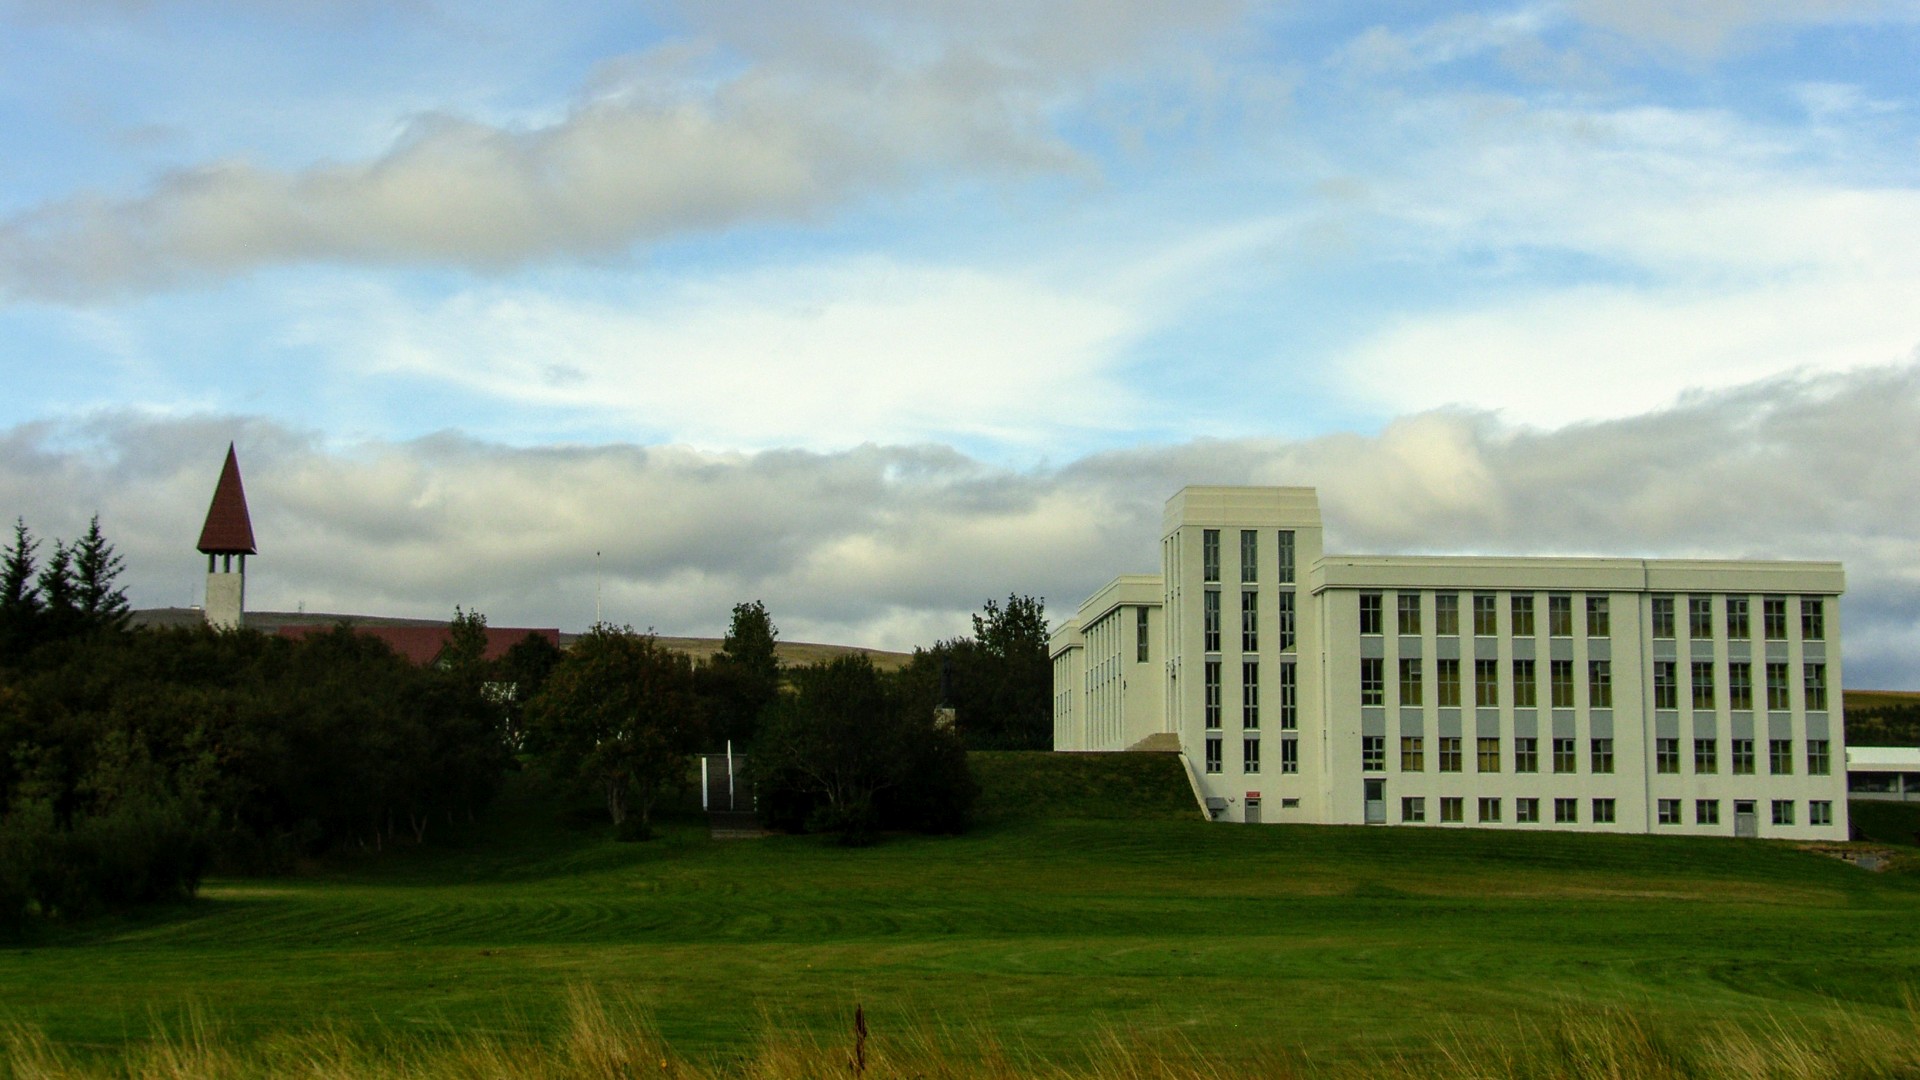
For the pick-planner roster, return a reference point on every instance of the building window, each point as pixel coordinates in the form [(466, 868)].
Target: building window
[(1525, 691), (1489, 809), (1738, 626), (1486, 618), (1603, 811), (1489, 755), (1286, 556), (1250, 755), (1140, 653), (1706, 756), (1599, 623), (1213, 753), (1565, 757), (1452, 808), (1773, 617), (1526, 754), (1373, 753), (1289, 756), (1373, 681), (1783, 811), (1486, 683), (1289, 698), (1250, 694), (1566, 811), (1286, 621), (1522, 609), (1813, 619), (1411, 683), (1816, 687), (1819, 758), (1668, 811), (1560, 615), (1409, 612), (1249, 556), (1706, 811), (1210, 555), (1249, 621), (1413, 809), (1780, 757), (1663, 616), (1666, 691), (1446, 614), (1703, 684), (1699, 617), (1743, 757), (1210, 620), (1526, 811), (1560, 681), (1413, 754), (1447, 683), (1740, 686), (1450, 753), (1666, 755), (1819, 812), (1370, 613), (1777, 696), (1212, 684), (1602, 753), (1600, 684)]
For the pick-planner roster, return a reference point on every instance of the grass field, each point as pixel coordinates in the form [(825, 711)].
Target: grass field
[(1040, 931)]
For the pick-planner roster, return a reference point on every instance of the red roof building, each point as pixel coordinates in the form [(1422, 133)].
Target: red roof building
[(424, 644), (229, 529)]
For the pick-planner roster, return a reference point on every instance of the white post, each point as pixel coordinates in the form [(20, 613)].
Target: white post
[(703, 782), (730, 799)]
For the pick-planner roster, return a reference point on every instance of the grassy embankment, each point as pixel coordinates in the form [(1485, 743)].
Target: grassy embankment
[(1090, 903)]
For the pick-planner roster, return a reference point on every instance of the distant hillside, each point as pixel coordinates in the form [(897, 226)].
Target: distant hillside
[(791, 652)]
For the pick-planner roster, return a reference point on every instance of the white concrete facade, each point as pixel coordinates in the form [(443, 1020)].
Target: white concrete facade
[(1629, 695), (226, 605)]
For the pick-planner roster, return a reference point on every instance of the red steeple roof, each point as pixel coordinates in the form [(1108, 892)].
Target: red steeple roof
[(228, 531)]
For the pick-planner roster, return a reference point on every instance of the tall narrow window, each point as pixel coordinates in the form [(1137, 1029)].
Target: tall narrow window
[(1446, 683), (1289, 699), (1373, 681), (1602, 753), (1773, 616), (1213, 693), (1560, 615), (1743, 757), (1214, 755), (1411, 683), (1522, 611), (1706, 756), (1286, 556), (1526, 692), (1370, 612), (1703, 684), (1446, 614), (1450, 753), (1285, 602), (1140, 650), (1600, 684), (1210, 555), (1560, 680), (1249, 556), (1599, 622), (1813, 619), (1666, 755), (1210, 620), (1413, 755), (1250, 694), (1739, 627), (1486, 617), (1289, 755), (1816, 687), (1778, 697), (1489, 755), (1780, 757), (1249, 621), (1409, 603), (1666, 684), (1819, 757), (1250, 754), (1486, 683), (1739, 686), (1700, 617), (1565, 756), (1526, 754), (1663, 616)]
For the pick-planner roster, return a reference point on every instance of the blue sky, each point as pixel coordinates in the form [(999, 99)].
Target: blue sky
[(1018, 240)]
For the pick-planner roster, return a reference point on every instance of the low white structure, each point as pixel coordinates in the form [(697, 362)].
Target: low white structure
[(1890, 773), (1629, 695)]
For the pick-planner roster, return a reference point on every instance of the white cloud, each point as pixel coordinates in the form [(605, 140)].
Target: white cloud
[(1709, 28)]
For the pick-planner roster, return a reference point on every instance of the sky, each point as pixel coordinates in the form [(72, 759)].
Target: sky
[(874, 310)]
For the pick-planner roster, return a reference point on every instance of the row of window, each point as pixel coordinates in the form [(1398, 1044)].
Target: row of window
[(1250, 695), (1249, 620), (1249, 555), (1560, 609), (1602, 811), (1560, 682), (1449, 755), (1250, 754)]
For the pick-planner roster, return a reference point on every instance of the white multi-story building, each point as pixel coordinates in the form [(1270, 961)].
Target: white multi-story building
[(1629, 695)]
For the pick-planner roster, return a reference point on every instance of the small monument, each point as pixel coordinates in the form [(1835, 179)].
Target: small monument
[(227, 534)]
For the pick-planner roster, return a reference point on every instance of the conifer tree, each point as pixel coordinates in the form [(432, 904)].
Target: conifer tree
[(19, 596), (59, 613), (95, 568)]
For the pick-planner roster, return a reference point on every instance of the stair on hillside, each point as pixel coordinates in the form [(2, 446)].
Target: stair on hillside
[(734, 825)]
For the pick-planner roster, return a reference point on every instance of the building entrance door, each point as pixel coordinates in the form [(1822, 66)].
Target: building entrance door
[(1376, 802), (1253, 808), (1745, 823)]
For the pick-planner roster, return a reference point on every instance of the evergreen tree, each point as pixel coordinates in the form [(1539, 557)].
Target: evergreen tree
[(59, 606), (95, 568), (19, 596), (744, 677)]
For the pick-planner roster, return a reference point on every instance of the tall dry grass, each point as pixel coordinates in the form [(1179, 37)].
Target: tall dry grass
[(602, 1042)]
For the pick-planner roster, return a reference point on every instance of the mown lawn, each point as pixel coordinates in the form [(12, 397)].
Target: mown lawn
[(1040, 931)]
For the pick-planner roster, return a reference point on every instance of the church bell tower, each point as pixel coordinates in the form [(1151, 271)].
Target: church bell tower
[(227, 535)]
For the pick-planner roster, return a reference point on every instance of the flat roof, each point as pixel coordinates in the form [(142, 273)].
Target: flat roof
[(1883, 759)]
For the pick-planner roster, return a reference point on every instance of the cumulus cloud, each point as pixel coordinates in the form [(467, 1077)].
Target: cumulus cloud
[(892, 546)]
